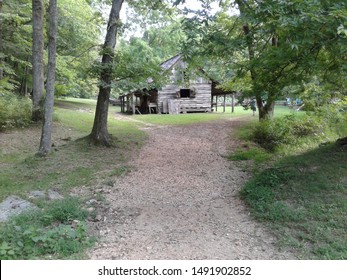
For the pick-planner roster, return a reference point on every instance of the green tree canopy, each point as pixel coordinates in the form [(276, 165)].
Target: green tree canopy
[(273, 44)]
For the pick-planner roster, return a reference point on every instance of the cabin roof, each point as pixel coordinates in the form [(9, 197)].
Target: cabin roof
[(166, 65), (169, 63)]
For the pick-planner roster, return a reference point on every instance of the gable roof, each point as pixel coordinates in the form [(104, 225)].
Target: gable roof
[(166, 65)]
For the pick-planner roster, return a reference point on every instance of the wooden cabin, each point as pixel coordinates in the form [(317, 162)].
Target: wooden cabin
[(186, 91)]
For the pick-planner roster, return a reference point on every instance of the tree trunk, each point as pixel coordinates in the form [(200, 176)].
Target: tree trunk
[(99, 134), (46, 135), (1, 70), (38, 67), (262, 108)]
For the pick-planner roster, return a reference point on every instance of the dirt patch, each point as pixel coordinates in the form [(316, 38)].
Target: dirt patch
[(181, 202)]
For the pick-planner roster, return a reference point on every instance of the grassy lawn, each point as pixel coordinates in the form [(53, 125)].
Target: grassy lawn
[(73, 161), (186, 119)]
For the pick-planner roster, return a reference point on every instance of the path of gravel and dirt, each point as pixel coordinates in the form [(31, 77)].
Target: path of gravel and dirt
[(180, 201)]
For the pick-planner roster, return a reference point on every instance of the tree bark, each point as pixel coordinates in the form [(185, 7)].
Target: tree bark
[(1, 70), (38, 66), (99, 134), (46, 135)]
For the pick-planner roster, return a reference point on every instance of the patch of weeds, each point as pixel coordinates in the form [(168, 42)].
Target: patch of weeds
[(120, 171), (258, 155), (64, 211), (57, 231)]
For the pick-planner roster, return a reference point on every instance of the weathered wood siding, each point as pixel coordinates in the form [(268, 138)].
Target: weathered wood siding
[(200, 102)]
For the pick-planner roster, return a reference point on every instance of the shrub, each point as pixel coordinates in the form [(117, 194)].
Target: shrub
[(14, 111), (334, 116), (286, 130)]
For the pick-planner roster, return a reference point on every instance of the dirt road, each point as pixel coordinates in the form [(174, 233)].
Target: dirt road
[(181, 201)]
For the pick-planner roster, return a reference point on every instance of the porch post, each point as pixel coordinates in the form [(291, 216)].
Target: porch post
[(216, 103), (233, 103), (224, 103), (133, 102)]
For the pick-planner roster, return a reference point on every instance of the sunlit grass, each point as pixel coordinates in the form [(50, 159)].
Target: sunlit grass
[(190, 118)]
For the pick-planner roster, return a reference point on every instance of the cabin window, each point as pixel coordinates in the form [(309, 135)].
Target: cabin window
[(184, 92)]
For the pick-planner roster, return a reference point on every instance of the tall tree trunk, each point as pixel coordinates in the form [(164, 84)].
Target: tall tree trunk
[(46, 135), (38, 67), (1, 70), (99, 134)]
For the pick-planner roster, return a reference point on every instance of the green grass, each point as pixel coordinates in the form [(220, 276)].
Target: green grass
[(81, 119), (299, 190), (303, 199), (75, 103), (258, 155), (73, 163), (76, 164), (190, 118)]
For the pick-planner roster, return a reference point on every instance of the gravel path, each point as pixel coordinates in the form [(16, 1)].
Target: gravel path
[(181, 202)]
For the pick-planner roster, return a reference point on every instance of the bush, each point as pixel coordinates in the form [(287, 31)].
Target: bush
[(334, 116), (14, 111), (286, 130)]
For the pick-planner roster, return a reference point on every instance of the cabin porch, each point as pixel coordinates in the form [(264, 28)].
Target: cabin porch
[(139, 102)]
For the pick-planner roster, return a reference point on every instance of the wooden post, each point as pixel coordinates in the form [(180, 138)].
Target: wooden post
[(121, 104), (216, 103), (233, 103), (224, 103), (128, 103), (133, 102), (124, 103)]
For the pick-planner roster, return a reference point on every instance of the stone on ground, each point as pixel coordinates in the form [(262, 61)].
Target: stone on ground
[(14, 205)]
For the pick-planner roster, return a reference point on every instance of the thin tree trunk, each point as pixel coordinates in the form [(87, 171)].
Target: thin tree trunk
[(46, 135), (263, 112), (38, 67), (1, 70), (99, 134)]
